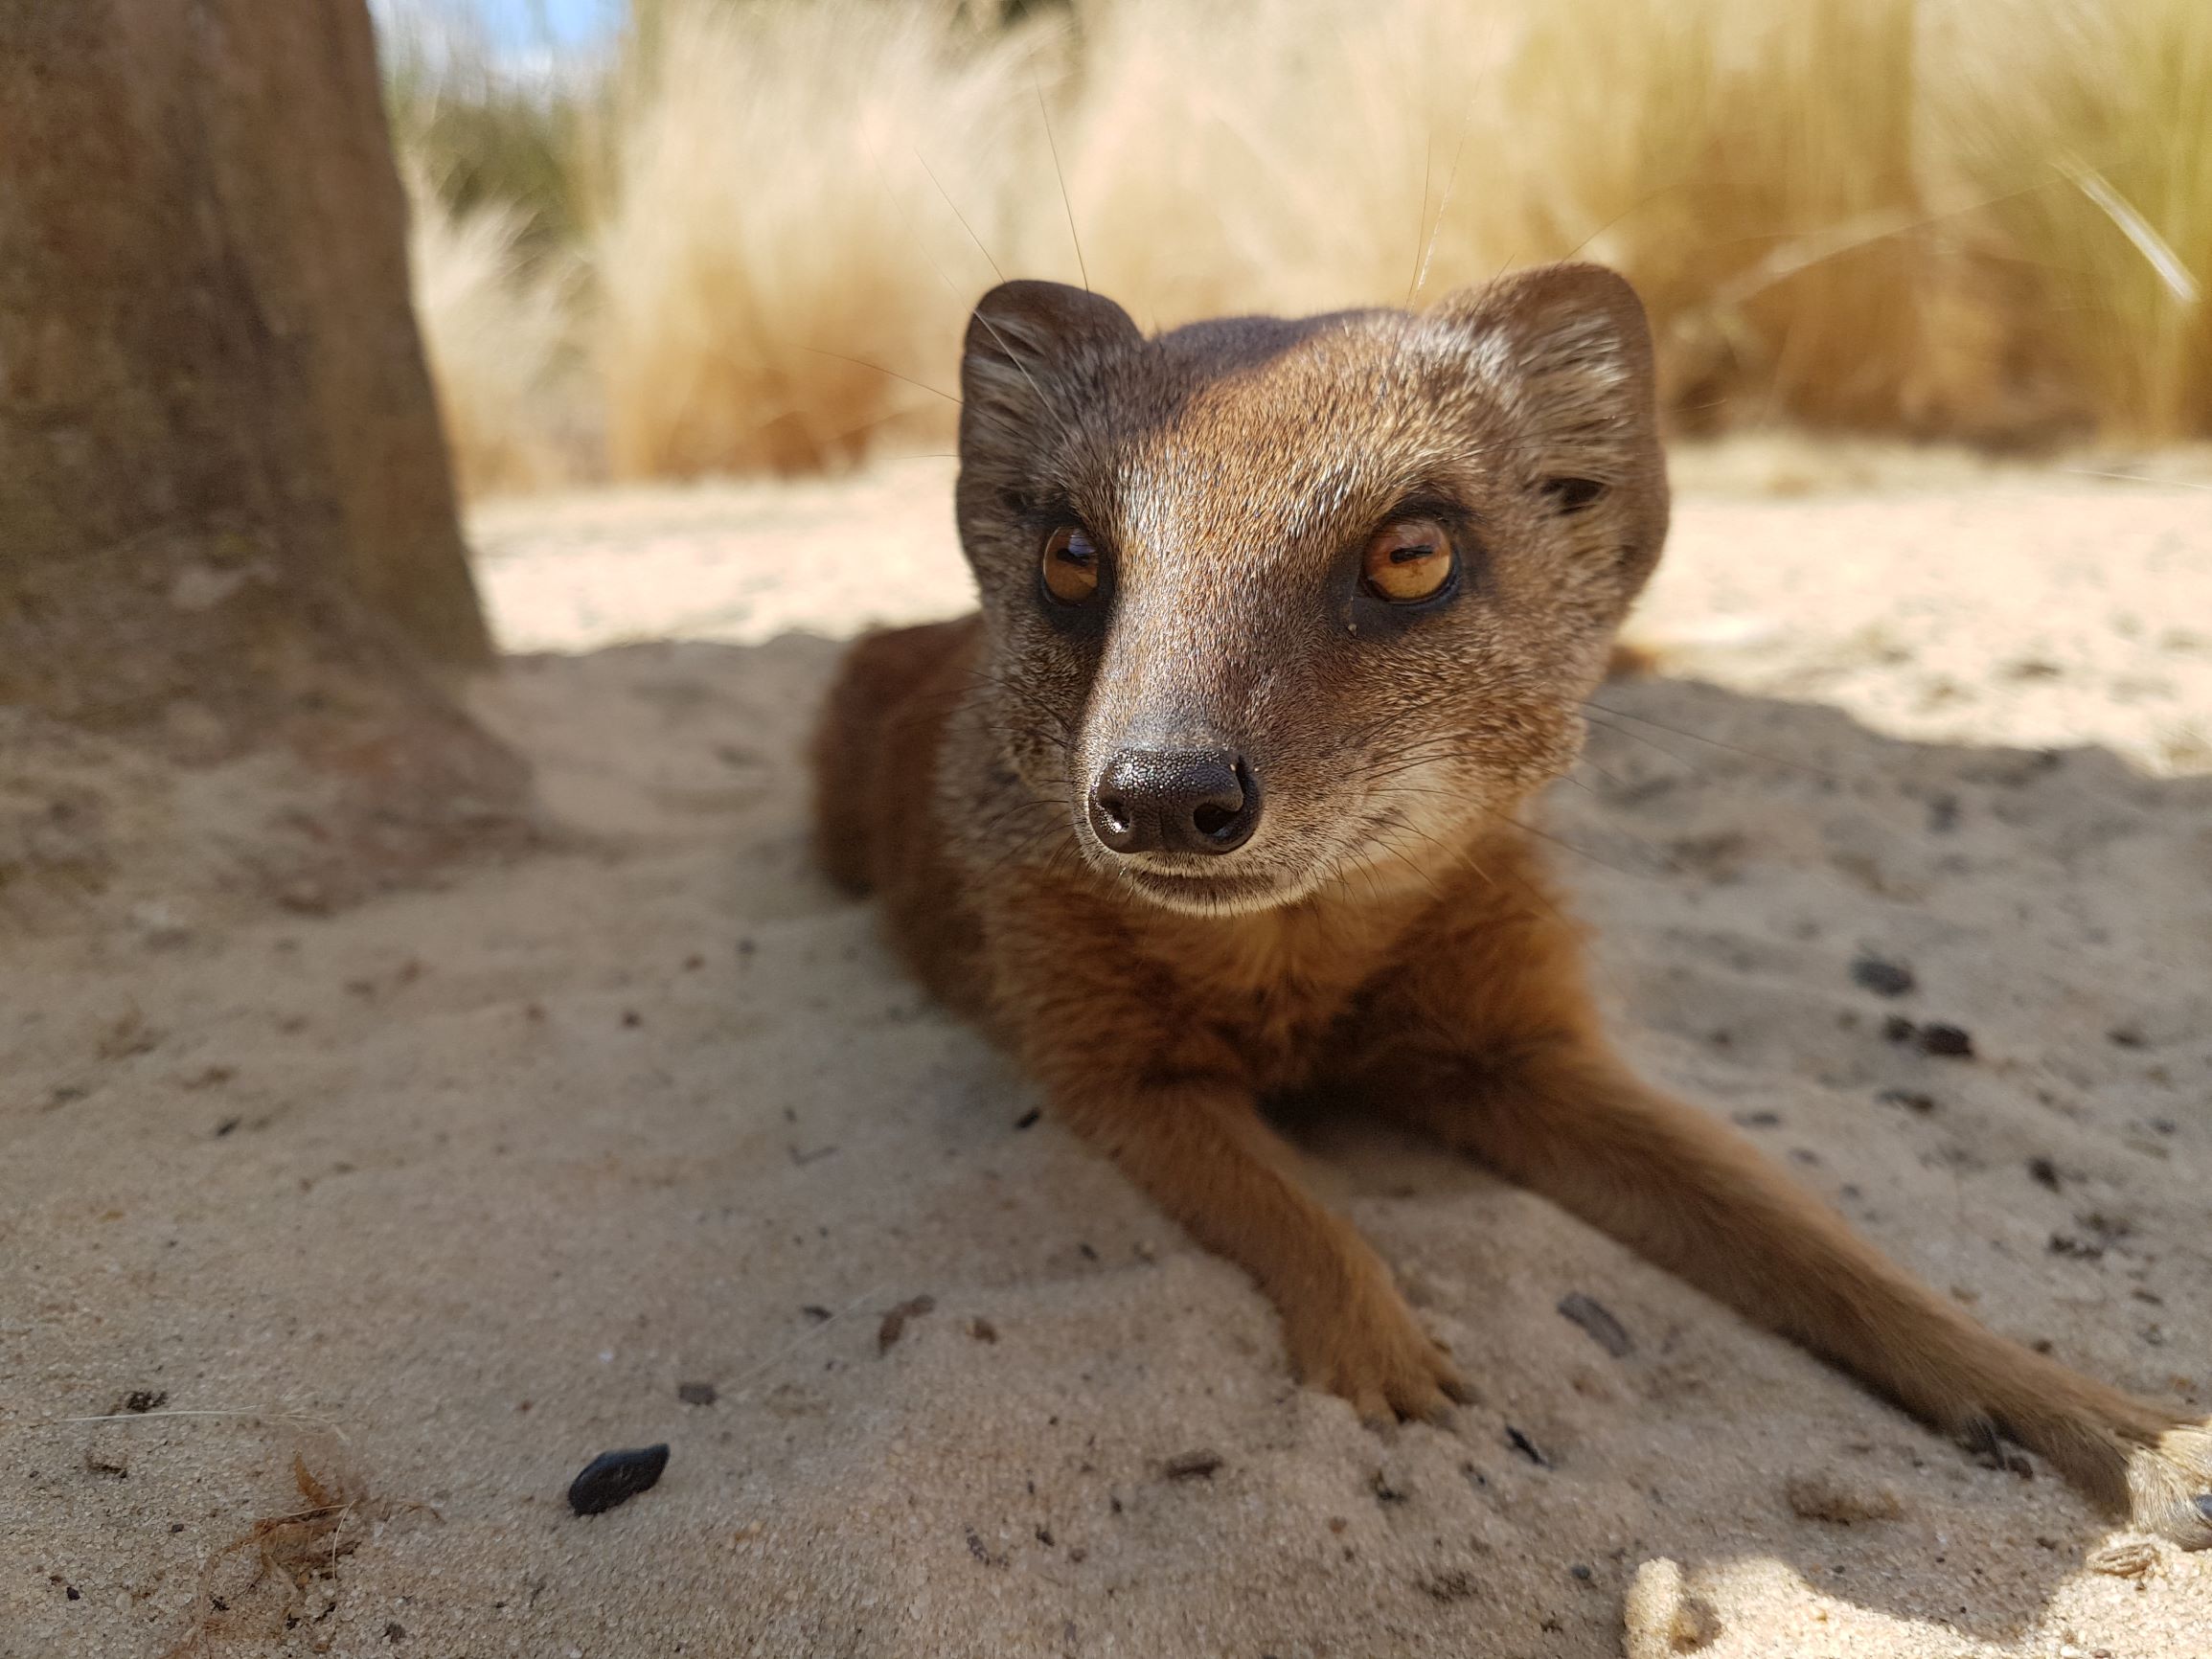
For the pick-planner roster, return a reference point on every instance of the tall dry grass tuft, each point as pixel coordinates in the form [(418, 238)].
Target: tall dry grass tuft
[(1750, 167), (2087, 128), (498, 331), (1979, 218), (1291, 156), (779, 254)]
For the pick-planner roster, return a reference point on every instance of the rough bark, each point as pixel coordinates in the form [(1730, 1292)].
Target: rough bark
[(220, 454), (227, 529)]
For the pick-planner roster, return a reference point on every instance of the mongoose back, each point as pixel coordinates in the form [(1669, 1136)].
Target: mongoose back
[(1214, 805)]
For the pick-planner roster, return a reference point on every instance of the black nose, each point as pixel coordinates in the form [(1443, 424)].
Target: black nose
[(1175, 801)]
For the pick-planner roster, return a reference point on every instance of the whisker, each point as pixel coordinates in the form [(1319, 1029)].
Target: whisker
[(1568, 846), (1700, 737), (863, 363), (922, 162), (1648, 742), (914, 238), (1052, 144)]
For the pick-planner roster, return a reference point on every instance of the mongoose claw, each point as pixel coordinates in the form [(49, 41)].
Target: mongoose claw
[(1371, 1350)]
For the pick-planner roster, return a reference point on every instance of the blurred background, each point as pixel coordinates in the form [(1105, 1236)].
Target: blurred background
[(668, 239)]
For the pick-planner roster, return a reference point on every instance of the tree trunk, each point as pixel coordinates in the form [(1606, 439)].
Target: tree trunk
[(227, 531), (220, 470)]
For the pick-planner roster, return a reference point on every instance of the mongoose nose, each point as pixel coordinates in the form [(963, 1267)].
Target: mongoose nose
[(1175, 801)]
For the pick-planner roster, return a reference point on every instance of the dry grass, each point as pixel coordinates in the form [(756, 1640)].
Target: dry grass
[(1976, 218), (778, 254), (497, 329), (2087, 127)]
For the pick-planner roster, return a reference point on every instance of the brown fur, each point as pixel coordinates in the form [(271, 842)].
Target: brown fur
[(1387, 940)]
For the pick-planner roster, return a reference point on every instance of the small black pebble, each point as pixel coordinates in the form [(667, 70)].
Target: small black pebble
[(2126, 1037), (1527, 1448), (226, 1126), (696, 1392), (816, 1311), (1946, 1039), (1028, 1119), (1579, 1571), (2043, 1172), (616, 1477), (70, 1591), (394, 1631), (1596, 1319), (1882, 976)]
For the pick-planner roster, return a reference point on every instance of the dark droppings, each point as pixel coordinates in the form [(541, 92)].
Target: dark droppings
[(616, 1477), (2043, 1172), (1595, 1318), (894, 1325), (1882, 976), (1950, 1040), (1193, 1466), (1936, 1037), (1527, 1448)]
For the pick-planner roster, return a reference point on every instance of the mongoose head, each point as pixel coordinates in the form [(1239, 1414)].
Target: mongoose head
[(1273, 604)]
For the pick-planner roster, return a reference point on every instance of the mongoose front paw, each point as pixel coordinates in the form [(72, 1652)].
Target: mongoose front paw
[(2169, 1485), (1370, 1348)]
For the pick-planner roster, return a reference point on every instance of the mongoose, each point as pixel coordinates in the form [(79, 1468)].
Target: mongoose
[(1214, 805)]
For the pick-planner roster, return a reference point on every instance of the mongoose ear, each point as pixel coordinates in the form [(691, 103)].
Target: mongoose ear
[(1570, 350), (1026, 342), (1567, 353)]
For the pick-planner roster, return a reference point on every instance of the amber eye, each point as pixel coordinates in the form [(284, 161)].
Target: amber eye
[(1070, 565), (1407, 561)]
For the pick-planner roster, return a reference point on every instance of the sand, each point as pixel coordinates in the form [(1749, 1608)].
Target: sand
[(393, 1218)]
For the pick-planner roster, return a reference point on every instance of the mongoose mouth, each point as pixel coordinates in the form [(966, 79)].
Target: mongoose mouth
[(1205, 893)]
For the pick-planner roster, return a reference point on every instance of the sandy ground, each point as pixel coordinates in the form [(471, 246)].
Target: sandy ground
[(360, 1234)]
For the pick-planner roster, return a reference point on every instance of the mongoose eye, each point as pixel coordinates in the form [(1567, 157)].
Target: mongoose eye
[(1409, 561), (1070, 564)]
